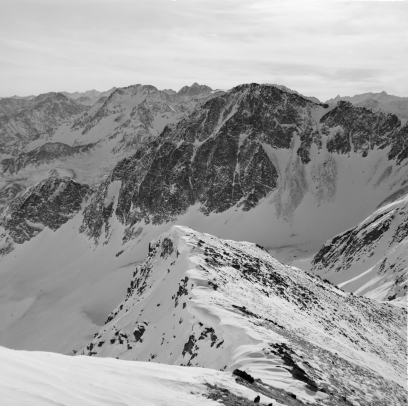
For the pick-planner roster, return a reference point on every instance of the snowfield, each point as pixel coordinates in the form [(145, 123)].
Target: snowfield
[(47, 379)]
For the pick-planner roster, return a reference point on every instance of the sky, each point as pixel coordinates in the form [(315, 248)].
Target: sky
[(319, 48)]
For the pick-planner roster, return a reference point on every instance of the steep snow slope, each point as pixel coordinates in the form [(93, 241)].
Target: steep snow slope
[(46, 379), (201, 301), (371, 259)]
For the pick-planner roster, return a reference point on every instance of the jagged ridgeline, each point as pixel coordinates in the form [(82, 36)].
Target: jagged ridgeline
[(249, 143)]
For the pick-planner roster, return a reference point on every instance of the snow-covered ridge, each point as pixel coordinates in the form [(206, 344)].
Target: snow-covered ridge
[(201, 301), (371, 259)]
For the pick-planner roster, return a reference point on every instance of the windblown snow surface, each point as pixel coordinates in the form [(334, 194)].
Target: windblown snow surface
[(47, 379), (201, 301)]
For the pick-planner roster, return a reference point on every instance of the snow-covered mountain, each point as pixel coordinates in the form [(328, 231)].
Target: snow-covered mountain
[(89, 145), (201, 301), (256, 163), (139, 110), (37, 119), (377, 102), (371, 259), (301, 172)]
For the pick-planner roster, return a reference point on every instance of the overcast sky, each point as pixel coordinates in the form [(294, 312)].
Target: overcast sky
[(317, 48)]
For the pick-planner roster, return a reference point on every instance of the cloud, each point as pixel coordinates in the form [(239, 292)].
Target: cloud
[(319, 48)]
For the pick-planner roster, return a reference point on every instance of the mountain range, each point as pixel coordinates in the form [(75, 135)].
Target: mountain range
[(35, 140), (253, 231)]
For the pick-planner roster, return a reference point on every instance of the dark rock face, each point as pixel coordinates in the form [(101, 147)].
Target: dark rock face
[(41, 155), (215, 157), (50, 203), (38, 119), (360, 130)]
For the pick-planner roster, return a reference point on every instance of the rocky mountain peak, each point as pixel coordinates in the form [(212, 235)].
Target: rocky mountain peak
[(194, 90), (225, 154)]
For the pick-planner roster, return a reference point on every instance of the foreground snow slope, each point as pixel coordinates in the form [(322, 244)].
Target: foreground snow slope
[(47, 379), (201, 301), (371, 259)]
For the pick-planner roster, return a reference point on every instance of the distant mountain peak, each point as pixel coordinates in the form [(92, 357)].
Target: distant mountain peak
[(194, 89)]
